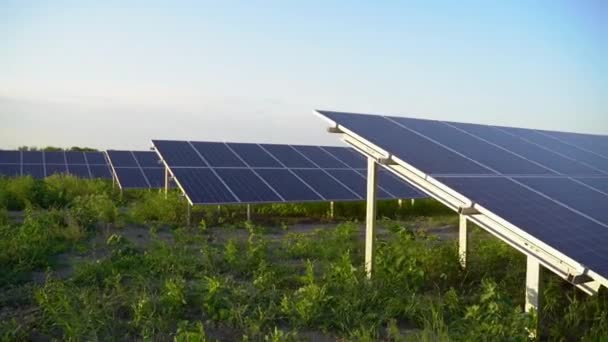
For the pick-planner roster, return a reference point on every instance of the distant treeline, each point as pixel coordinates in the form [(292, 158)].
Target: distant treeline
[(53, 148)]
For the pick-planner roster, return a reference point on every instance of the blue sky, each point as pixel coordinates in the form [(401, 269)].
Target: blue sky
[(115, 74)]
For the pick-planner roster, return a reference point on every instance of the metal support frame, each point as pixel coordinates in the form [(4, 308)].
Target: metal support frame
[(166, 182), (248, 212), (400, 203), (413, 201), (331, 209), (533, 271), (463, 240), (370, 214)]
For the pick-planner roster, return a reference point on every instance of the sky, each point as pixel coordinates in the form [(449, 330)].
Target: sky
[(116, 74)]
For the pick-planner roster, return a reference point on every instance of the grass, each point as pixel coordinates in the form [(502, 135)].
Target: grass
[(142, 274)]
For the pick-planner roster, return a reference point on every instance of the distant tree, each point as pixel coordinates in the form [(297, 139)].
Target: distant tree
[(82, 149), (27, 148), (51, 149)]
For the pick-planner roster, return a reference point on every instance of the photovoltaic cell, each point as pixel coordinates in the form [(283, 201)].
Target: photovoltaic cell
[(396, 186), (600, 184), (100, 171), (572, 194), (10, 170), (328, 187), (53, 169), (95, 158), (34, 170), (178, 153), (155, 176), (122, 158), (73, 157), (81, 171), (247, 186), (595, 143), (147, 159), (54, 157), (202, 186), (320, 157), (217, 154), (131, 177), (288, 156), (433, 159), (347, 156), (32, 157), (10, 157), (254, 155), (527, 150), (565, 149), (474, 148), (288, 185)]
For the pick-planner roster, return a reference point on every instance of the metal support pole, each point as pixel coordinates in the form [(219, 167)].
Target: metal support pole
[(370, 219), (400, 202), (413, 202), (463, 240), (331, 209), (533, 270), (166, 182), (249, 212)]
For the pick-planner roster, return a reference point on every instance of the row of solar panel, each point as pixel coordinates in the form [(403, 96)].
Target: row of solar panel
[(137, 169), (458, 148), (40, 164), (255, 185), (564, 204), (212, 172), (216, 154)]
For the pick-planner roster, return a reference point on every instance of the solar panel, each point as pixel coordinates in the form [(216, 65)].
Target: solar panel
[(32, 157), (55, 157), (34, 170), (56, 169), (73, 157), (10, 157), (347, 156), (10, 170), (81, 171), (552, 186), (137, 169), (40, 164), (270, 173)]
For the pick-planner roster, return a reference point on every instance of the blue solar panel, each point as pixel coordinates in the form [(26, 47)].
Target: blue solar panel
[(288, 156), (202, 186), (405, 145), (254, 155), (396, 186), (10, 170), (288, 185), (52, 169), (131, 177), (178, 153), (328, 187), (54, 157), (122, 158), (147, 159), (73, 157), (532, 152), (600, 184), (10, 157), (32, 157), (155, 176), (595, 143), (100, 171), (553, 144), (573, 194), (570, 233), (474, 148), (357, 182), (247, 186), (347, 156), (34, 170), (95, 158), (320, 158), (217, 154), (81, 171)]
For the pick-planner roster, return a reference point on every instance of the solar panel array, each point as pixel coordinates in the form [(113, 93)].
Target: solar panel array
[(552, 185), (137, 169), (41, 164), (222, 173)]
